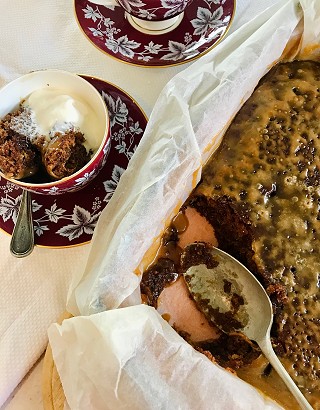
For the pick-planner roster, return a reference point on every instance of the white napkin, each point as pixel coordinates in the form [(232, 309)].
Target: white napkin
[(33, 294), (44, 34)]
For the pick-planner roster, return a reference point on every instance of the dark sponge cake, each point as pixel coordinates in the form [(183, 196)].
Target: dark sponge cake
[(27, 154), (261, 193), (18, 157), (65, 154)]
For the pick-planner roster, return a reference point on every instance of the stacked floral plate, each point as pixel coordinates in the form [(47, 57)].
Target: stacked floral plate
[(203, 25)]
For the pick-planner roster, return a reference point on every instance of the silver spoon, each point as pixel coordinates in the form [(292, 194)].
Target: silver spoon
[(253, 318), (22, 240)]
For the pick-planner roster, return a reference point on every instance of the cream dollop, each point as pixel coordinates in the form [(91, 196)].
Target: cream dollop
[(53, 110)]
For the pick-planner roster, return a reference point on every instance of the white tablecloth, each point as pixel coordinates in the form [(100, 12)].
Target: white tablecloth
[(33, 292)]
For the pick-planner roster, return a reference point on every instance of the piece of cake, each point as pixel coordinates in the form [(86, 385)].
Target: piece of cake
[(50, 136), (261, 193), (18, 157), (65, 154)]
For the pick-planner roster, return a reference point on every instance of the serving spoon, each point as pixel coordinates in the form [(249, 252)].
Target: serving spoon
[(254, 316), (22, 240)]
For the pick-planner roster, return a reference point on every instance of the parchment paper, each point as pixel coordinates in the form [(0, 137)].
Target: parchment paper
[(114, 357), (131, 342), (185, 127)]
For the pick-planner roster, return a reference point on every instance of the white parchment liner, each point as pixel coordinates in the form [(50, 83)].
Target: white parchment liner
[(130, 357)]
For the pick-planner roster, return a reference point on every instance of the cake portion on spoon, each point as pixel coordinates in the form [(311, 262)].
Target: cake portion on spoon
[(233, 299), (219, 298)]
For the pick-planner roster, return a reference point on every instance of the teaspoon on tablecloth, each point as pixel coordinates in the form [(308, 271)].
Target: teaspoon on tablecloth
[(22, 240)]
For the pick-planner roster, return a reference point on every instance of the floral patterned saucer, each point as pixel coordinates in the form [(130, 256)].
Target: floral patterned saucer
[(204, 23), (69, 219)]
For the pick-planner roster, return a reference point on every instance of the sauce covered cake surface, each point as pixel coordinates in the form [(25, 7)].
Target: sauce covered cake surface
[(261, 193)]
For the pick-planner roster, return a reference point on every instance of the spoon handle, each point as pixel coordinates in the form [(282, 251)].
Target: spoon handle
[(22, 240), (267, 349)]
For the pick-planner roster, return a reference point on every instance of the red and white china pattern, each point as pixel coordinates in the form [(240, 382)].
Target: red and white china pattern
[(69, 219), (154, 10), (204, 23)]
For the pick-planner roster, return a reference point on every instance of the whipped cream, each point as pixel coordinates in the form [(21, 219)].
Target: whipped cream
[(51, 110)]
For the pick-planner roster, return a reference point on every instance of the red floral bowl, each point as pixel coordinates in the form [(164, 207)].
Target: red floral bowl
[(82, 92)]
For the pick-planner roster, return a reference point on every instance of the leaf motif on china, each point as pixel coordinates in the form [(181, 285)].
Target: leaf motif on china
[(174, 7), (6, 213), (145, 14), (206, 20), (121, 111), (153, 48), (39, 229), (54, 213), (35, 206), (117, 172), (95, 32), (52, 190), (80, 215), (128, 4), (121, 147), (136, 129), (176, 47), (112, 44), (71, 231), (117, 109), (111, 184), (90, 13), (108, 22), (180, 50), (8, 202), (89, 228), (9, 208), (111, 104), (145, 58), (125, 46), (110, 187), (168, 4), (176, 51), (5, 210), (83, 223), (94, 219), (85, 177), (216, 15)]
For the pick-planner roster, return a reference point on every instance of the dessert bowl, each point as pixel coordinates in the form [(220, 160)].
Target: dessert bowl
[(59, 100)]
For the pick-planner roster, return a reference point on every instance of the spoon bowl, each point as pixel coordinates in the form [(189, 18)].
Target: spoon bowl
[(22, 240), (236, 301)]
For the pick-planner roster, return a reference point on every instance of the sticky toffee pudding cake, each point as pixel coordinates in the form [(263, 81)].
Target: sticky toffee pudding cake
[(50, 136), (261, 194), (28, 155)]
